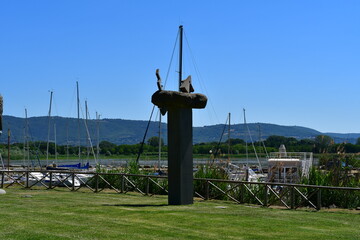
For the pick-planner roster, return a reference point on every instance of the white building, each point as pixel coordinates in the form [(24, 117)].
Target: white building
[(288, 167)]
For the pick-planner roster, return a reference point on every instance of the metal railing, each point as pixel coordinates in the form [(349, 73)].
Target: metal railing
[(290, 196), (298, 155)]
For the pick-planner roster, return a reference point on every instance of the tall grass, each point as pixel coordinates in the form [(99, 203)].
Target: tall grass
[(337, 177), (141, 183)]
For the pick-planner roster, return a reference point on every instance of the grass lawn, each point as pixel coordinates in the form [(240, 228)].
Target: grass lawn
[(60, 214)]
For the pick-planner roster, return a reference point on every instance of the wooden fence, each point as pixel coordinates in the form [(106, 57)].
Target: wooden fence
[(290, 196)]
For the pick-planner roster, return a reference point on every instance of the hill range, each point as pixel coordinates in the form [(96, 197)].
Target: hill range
[(120, 131)]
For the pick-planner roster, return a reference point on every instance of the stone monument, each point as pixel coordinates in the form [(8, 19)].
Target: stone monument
[(179, 107)]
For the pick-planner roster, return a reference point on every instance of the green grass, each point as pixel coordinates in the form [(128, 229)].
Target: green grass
[(60, 214)]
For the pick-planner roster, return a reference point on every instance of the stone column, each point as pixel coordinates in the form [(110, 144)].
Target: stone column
[(180, 159), (180, 156)]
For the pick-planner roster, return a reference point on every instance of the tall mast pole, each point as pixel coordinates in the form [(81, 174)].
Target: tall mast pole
[(48, 137), (246, 149), (55, 143), (229, 137), (246, 145), (86, 120), (259, 128), (8, 162), (98, 134), (26, 137), (180, 54), (25, 140), (67, 141), (78, 116)]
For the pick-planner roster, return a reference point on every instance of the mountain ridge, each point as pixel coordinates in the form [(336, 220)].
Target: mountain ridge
[(123, 131)]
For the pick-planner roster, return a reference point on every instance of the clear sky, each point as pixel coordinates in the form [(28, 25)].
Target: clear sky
[(285, 62)]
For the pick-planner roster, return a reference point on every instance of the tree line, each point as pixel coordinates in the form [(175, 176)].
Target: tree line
[(320, 144)]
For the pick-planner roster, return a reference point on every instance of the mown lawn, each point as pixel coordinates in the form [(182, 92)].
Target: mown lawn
[(60, 214)]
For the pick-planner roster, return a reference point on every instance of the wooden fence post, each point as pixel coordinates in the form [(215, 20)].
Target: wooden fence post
[(242, 192), (122, 183), (50, 183), (265, 195), (73, 181), (96, 182), (318, 199), (207, 190), (27, 179), (147, 185), (2, 179), (292, 197)]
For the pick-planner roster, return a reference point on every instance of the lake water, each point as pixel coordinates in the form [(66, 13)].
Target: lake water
[(125, 162), (150, 163)]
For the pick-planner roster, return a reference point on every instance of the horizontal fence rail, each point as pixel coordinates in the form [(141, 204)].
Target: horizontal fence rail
[(290, 196)]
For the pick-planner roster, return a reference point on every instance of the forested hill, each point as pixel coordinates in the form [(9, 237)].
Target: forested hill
[(120, 131)]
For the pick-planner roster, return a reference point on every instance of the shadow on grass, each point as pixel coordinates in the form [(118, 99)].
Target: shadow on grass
[(136, 205)]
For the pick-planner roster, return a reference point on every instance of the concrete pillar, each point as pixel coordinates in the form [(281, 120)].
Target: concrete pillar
[(180, 156)]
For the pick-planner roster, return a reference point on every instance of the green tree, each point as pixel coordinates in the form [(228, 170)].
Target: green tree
[(154, 141), (107, 147), (323, 143), (234, 141), (275, 141)]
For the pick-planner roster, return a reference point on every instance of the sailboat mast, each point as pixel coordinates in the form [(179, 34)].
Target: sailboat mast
[(98, 135), (67, 140), (25, 140), (86, 121), (246, 150), (259, 128), (55, 143), (262, 144), (48, 137), (252, 143), (180, 54), (78, 116), (229, 137), (26, 137), (8, 160), (246, 145)]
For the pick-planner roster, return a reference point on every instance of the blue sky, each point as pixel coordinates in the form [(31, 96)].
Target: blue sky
[(286, 62)]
